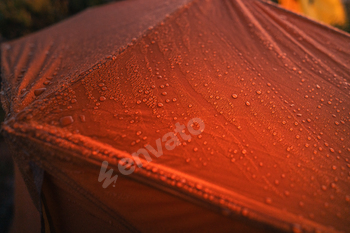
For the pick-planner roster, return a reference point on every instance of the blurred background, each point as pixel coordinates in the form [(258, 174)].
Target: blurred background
[(21, 17), (332, 12)]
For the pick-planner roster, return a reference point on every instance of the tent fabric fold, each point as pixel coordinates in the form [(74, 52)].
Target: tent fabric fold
[(270, 86)]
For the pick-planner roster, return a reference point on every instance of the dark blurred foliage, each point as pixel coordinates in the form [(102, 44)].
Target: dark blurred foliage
[(20, 17), (347, 9), (2, 116)]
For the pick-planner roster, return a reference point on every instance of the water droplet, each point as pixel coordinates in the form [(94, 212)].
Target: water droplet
[(39, 91), (268, 200), (82, 118), (67, 120)]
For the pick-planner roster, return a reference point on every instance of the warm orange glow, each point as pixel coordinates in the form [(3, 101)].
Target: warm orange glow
[(327, 11), (293, 5)]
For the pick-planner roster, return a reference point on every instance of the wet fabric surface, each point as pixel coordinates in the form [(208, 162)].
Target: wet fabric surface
[(271, 87)]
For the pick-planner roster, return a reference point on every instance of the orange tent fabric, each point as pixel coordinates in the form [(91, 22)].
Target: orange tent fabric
[(271, 88)]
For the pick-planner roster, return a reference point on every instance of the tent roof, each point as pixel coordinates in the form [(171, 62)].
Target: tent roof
[(271, 87)]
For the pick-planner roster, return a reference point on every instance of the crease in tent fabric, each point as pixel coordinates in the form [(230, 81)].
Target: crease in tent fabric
[(38, 177), (46, 221)]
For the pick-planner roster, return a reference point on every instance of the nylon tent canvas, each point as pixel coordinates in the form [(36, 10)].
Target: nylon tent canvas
[(271, 90)]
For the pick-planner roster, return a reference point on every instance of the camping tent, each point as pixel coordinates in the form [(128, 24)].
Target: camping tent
[(256, 97)]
